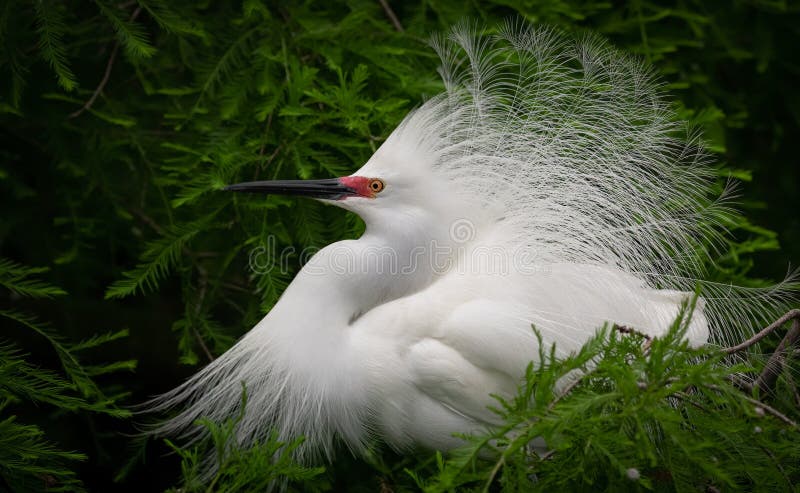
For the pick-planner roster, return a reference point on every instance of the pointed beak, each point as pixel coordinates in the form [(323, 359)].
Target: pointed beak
[(330, 189)]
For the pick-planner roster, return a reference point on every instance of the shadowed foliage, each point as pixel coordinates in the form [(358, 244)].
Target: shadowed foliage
[(120, 122)]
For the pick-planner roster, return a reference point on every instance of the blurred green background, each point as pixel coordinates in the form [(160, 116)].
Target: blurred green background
[(119, 121)]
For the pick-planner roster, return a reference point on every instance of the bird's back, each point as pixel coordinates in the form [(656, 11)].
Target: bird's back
[(437, 356)]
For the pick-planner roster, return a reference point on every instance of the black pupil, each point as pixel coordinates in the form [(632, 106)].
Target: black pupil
[(375, 185)]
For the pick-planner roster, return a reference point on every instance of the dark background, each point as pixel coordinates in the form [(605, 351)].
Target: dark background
[(216, 92)]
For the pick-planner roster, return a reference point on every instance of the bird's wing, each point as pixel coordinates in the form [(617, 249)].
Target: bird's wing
[(472, 356), (444, 375), (464, 339)]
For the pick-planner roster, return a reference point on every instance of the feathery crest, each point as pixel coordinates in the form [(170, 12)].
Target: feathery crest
[(579, 160), (593, 164)]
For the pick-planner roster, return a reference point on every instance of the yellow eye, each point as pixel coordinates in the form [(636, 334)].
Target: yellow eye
[(376, 185)]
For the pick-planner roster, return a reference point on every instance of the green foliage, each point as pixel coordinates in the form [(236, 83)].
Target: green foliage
[(157, 259), (52, 27), (131, 36), (18, 279), (257, 468), (28, 461), (122, 120), (625, 413), (638, 415)]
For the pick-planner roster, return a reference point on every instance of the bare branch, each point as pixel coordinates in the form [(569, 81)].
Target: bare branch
[(790, 315), (624, 329), (767, 408), (392, 17), (493, 473), (775, 363), (687, 398), (88, 104), (200, 298), (203, 282)]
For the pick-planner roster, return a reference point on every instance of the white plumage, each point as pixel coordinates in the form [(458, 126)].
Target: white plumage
[(548, 186)]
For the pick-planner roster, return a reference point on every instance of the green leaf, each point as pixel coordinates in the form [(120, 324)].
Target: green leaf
[(52, 28), (99, 340), (27, 459), (257, 468), (69, 362), (156, 262), (172, 21), (131, 36), (17, 278), (122, 121), (234, 57)]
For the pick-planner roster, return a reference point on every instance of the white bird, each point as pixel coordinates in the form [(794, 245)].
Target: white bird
[(550, 185)]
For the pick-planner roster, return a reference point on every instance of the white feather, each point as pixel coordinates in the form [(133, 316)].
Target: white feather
[(556, 153)]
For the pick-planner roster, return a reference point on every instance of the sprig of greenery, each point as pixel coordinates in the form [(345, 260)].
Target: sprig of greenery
[(628, 414), (131, 35), (624, 413), (28, 461), (258, 468), (19, 279), (158, 258), (52, 28)]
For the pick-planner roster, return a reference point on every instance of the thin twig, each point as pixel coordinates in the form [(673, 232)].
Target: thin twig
[(624, 329), (266, 132), (392, 17), (569, 388), (493, 473), (775, 362), (648, 340), (274, 154), (200, 297), (777, 463), (88, 104), (385, 486), (740, 382), (200, 269), (790, 315), (235, 287), (147, 220), (686, 398), (771, 410), (547, 455)]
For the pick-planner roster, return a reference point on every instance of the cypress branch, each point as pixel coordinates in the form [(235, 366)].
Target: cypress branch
[(51, 28), (131, 36)]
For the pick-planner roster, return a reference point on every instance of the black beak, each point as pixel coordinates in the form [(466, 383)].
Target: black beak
[(331, 188)]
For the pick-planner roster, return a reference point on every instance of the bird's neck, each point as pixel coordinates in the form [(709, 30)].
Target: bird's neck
[(347, 279), (310, 335)]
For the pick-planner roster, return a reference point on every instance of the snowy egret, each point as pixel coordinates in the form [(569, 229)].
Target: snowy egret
[(549, 185)]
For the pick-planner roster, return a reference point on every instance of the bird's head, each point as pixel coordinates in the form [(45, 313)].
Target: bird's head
[(395, 186), (326, 189)]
